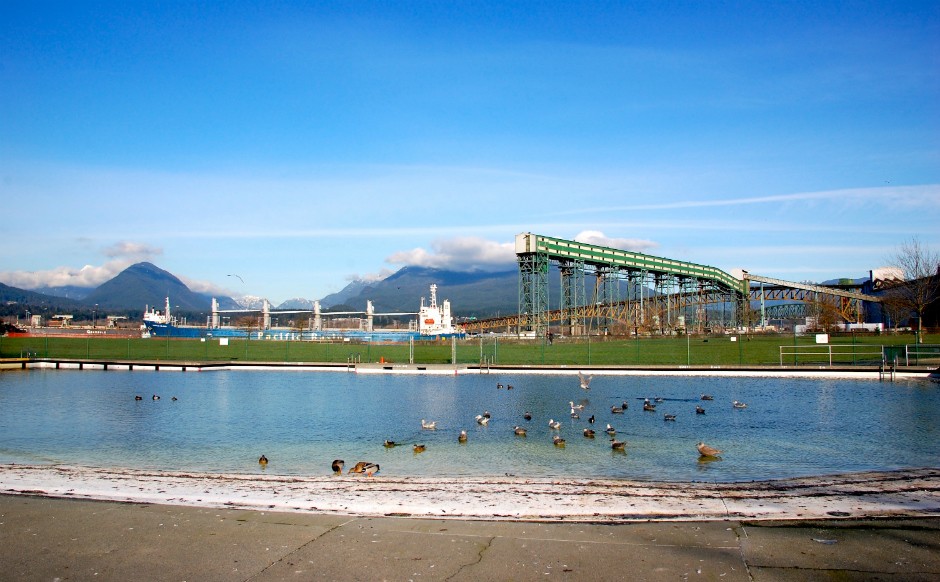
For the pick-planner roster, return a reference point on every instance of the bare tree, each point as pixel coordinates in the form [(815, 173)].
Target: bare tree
[(920, 268)]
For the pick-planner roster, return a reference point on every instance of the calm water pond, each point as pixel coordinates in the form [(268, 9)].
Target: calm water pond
[(223, 420)]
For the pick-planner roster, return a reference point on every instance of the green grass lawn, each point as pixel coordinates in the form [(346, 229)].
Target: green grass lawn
[(693, 350)]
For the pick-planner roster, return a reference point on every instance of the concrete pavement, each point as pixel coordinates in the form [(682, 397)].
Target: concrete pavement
[(62, 539)]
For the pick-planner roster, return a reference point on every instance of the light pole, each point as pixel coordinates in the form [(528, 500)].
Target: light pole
[(94, 321)]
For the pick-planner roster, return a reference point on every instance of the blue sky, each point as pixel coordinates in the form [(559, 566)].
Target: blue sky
[(301, 145)]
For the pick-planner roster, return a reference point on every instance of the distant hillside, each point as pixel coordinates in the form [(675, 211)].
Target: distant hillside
[(146, 284), (15, 300), (479, 294), (353, 289), (67, 291)]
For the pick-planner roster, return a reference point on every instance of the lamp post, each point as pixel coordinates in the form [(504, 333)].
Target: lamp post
[(94, 320)]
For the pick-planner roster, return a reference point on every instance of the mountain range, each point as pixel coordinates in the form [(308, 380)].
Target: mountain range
[(477, 293)]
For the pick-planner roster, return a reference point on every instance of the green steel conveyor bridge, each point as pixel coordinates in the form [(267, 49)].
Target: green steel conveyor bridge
[(645, 290)]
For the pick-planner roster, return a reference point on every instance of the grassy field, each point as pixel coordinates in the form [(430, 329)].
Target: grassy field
[(693, 350)]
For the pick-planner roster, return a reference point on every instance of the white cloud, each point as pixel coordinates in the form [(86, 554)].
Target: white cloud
[(596, 237), (464, 253), (122, 255)]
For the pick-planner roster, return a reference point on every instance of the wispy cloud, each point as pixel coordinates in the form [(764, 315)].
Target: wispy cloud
[(900, 195), (464, 253), (121, 255)]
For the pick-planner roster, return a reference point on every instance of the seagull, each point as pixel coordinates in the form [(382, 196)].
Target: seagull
[(575, 406), (482, 419), (239, 278), (429, 425), (737, 404), (707, 451), (585, 381), (554, 424)]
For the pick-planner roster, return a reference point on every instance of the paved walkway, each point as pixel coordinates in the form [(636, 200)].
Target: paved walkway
[(62, 539)]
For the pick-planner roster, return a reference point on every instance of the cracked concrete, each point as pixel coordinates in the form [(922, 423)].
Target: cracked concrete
[(46, 538)]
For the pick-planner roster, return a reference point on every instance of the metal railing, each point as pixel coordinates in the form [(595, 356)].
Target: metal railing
[(832, 353)]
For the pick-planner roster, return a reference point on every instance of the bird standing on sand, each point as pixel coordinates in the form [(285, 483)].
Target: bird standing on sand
[(365, 467), (337, 466), (707, 451)]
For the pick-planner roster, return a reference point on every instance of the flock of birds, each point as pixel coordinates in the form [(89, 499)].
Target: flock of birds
[(705, 451), (154, 397)]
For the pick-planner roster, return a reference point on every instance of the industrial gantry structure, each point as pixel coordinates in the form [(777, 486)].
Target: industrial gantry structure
[(601, 287)]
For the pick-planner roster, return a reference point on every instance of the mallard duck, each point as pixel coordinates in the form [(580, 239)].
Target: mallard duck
[(419, 448), (617, 445), (338, 466), (616, 410), (262, 460), (707, 451), (589, 433), (648, 407), (365, 467), (428, 425), (462, 437), (519, 431)]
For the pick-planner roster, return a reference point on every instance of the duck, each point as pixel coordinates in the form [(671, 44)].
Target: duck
[(155, 397), (337, 466), (519, 431), (484, 420), (508, 386), (707, 397), (554, 424), (589, 433), (617, 445), (585, 381), (699, 410), (138, 397), (737, 404), (707, 451), (668, 417), (419, 448), (558, 441), (591, 420), (263, 461), (527, 416), (429, 425), (574, 414), (486, 414), (499, 385), (624, 405), (390, 444), (659, 399), (648, 407), (616, 410), (174, 399), (610, 430), (462, 437), (365, 467)]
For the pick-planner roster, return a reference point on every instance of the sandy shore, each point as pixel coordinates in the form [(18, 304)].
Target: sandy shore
[(910, 493)]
